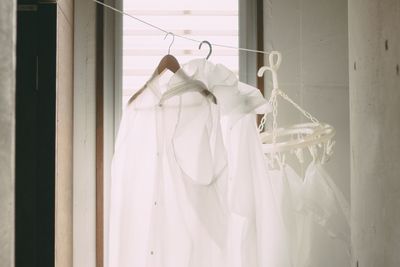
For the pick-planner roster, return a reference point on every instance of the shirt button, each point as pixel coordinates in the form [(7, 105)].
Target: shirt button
[(151, 252), (155, 203)]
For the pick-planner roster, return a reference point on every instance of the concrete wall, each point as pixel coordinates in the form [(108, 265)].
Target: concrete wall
[(64, 134), (312, 36), (374, 59), (7, 129)]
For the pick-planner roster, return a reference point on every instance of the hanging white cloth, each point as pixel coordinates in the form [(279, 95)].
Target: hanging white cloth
[(169, 188), (165, 208), (256, 236), (315, 213), (316, 216), (191, 187)]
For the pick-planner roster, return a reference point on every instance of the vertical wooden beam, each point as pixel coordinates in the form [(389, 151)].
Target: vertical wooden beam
[(248, 39), (260, 42), (260, 46), (99, 136)]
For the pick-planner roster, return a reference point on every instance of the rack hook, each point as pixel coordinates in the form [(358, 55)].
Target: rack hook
[(273, 67), (173, 40), (209, 45)]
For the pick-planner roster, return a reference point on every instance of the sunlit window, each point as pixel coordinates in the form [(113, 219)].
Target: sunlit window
[(143, 46)]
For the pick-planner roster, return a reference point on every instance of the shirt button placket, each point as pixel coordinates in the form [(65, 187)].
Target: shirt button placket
[(156, 192), (152, 251)]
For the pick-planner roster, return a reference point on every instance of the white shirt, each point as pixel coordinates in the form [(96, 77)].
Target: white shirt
[(257, 235), (172, 203), (166, 207)]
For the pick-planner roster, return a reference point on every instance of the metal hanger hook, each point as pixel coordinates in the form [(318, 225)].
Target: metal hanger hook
[(209, 45), (173, 40)]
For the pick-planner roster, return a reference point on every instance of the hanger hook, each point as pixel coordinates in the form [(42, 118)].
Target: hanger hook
[(209, 45), (173, 40)]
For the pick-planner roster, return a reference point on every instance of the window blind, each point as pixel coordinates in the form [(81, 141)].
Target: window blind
[(143, 47)]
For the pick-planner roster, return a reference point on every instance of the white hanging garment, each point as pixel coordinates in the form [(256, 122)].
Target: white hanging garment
[(256, 236), (314, 211), (165, 208), (326, 229), (316, 216), (180, 209), (257, 233)]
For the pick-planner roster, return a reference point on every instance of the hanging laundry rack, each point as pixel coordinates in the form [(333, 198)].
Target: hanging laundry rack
[(309, 135), (178, 35)]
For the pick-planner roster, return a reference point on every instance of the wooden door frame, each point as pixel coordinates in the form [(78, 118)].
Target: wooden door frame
[(108, 112), (99, 136), (251, 35)]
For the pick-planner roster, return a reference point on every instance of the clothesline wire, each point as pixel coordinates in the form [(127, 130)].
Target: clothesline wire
[(177, 35)]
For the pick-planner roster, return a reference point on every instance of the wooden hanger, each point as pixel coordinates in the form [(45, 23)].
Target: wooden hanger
[(171, 63), (168, 61)]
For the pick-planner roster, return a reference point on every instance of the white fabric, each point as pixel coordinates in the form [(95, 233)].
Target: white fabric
[(165, 208), (256, 236), (170, 210), (190, 185), (316, 217)]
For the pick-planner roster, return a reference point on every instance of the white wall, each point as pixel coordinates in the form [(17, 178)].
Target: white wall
[(64, 134), (374, 59), (84, 135), (7, 130), (312, 36)]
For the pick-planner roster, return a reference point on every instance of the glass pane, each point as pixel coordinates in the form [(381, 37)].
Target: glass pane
[(144, 46)]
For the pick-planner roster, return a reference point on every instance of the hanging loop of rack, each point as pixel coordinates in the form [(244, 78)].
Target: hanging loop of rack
[(273, 67), (275, 60)]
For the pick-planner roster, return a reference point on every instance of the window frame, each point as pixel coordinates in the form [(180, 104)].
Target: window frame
[(109, 93)]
